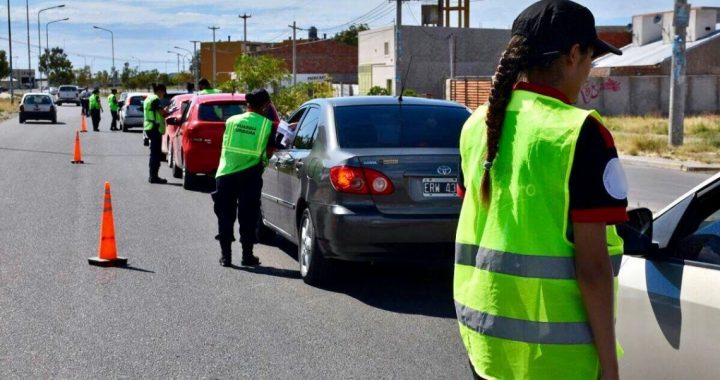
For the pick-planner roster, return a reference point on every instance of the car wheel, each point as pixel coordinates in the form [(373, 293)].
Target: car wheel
[(177, 172), (314, 267), (265, 235), (188, 180), (22, 120), (54, 120), (124, 127)]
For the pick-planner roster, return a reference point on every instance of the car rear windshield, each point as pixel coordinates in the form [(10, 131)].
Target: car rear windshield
[(219, 112), (137, 100), (68, 88), (394, 126), (37, 99)]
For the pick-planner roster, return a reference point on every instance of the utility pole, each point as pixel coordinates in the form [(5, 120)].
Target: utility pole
[(197, 62), (245, 17), (214, 60), (398, 48), (451, 40), (294, 52), (27, 14), (678, 85), (12, 90)]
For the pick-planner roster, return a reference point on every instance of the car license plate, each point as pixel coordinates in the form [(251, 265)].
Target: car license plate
[(439, 187)]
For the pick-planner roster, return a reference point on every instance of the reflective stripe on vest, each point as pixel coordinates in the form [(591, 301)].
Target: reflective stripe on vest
[(518, 302)]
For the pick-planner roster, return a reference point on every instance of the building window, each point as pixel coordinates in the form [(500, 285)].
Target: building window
[(387, 48), (388, 86)]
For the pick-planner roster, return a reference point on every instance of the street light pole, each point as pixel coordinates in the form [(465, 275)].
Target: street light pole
[(188, 51), (27, 15), (178, 59), (39, 36), (214, 60), (12, 90), (47, 40), (112, 43), (197, 63)]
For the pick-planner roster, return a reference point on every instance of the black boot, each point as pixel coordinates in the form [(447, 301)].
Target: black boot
[(226, 253), (248, 259)]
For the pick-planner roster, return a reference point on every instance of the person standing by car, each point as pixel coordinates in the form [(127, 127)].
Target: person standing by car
[(205, 88), (114, 107), (239, 176), (84, 102), (95, 109), (154, 127), (535, 258)]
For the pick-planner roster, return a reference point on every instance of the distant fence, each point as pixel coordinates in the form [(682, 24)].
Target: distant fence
[(470, 91), (644, 95), (340, 90)]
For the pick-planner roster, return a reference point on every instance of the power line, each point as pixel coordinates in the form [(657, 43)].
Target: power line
[(379, 9)]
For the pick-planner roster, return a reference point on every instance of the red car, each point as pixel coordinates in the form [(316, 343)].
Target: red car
[(195, 148), (178, 105)]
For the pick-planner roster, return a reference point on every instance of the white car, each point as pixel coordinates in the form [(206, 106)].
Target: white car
[(68, 94), (37, 106), (669, 297), (131, 113)]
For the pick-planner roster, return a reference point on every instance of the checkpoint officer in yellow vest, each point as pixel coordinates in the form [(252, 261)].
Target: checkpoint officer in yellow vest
[(95, 109), (154, 126), (205, 87), (114, 107), (239, 176), (537, 255)]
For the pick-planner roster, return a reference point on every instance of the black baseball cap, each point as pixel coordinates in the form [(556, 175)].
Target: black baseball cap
[(554, 26), (257, 98)]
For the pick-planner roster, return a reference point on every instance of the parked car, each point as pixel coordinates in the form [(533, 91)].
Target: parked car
[(178, 105), (197, 144), (53, 91), (366, 179), (121, 99), (37, 106), (68, 94), (668, 300), (131, 113)]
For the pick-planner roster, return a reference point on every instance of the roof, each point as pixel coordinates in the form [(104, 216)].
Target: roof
[(649, 54), (387, 100), (220, 97), (36, 94)]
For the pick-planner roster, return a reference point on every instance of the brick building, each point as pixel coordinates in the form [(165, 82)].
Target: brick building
[(226, 52), (317, 58)]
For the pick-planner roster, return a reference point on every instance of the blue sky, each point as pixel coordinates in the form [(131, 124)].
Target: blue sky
[(145, 30)]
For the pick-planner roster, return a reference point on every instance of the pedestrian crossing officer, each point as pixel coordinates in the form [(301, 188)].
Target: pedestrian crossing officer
[(95, 109), (239, 176), (205, 88), (113, 105), (154, 126), (537, 255)]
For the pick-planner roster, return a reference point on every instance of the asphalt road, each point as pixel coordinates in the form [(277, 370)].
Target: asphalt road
[(175, 313)]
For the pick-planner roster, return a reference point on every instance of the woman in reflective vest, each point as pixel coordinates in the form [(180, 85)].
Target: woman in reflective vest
[(536, 254), (95, 109)]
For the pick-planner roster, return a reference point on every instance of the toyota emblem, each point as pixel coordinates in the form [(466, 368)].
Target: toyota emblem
[(444, 170)]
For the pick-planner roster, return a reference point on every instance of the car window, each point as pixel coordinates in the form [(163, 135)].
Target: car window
[(37, 99), (305, 135), (393, 126), (220, 112), (702, 244), (297, 115), (68, 88), (185, 110), (137, 100)]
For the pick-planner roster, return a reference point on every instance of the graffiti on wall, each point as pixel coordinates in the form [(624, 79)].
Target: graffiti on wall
[(591, 91)]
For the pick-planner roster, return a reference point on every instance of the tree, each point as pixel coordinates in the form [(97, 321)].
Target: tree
[(289, 98), (57, 65), (126, 75), (4, 65), (102, 78), (180, 79), (350, 35), (377, 90), (254, 72), (84, 77)]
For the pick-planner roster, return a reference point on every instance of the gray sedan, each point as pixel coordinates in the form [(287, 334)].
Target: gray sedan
[(366, 179)]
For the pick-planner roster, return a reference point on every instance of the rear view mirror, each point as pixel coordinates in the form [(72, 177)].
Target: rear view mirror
[(637, 233)]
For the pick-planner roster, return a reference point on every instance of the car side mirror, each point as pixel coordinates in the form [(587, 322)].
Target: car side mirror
[(173, 121), (637, 233)]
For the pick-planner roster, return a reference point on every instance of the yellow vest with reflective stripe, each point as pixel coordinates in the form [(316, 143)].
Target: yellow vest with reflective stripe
[(152, 119), (519, 306), (244, 142)]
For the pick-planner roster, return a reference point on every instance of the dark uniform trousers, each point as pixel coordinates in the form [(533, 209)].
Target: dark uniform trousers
[(95, 116), (237, 195), (155, 151), (85, 103), (113, 123)]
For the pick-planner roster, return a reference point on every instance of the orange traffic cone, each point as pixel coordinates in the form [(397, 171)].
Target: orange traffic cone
[(77, 157), (83, 124), (107, 252)]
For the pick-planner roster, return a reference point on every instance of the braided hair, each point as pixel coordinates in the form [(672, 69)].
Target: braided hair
[(514, 61)]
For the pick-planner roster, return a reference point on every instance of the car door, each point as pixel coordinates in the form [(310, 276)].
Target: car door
[(669, 304), (290, 169), (271, 198)]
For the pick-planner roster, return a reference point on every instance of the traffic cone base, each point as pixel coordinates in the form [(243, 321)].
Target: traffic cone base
[(117, 262)]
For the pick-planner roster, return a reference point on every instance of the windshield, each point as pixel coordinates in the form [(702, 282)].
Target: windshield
[(137, 100), (220, 112), (395, 126)]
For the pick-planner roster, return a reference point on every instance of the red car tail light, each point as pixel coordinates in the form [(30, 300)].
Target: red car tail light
[(348, 179)]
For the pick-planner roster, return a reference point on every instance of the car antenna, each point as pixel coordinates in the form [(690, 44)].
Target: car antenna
[(404, 80)]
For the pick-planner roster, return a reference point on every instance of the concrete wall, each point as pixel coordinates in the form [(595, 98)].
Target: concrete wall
[(371, 54), (643, 95), (477, 53)]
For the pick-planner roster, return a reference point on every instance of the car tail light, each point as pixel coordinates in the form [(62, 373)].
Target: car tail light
[(348, 179)]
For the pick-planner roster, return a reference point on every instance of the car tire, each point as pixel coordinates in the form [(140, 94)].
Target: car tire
[(124, 127), (265, 235), (54, 120), (314, 267), (22, 121), (189, 180), (177, 172)]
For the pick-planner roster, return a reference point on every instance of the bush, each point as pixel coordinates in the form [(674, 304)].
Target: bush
[(377, 90)]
